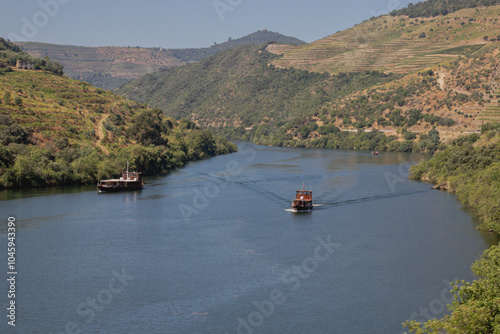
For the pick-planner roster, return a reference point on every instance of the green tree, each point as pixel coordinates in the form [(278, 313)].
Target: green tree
[(18, 101), (149, 128), (201, 144)]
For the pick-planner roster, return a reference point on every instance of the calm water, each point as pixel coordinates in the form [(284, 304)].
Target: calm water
[(213, 249)]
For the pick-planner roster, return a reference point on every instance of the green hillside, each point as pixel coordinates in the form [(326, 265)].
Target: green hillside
[(240, 94), (55, 130), (395, 75), (240, 87)]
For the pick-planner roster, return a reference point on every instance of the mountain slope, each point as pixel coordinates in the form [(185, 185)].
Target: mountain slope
[(106, 67), (110, 67), (55, 130), (396, 43), (238, 88), (440, 7), (246, 93)]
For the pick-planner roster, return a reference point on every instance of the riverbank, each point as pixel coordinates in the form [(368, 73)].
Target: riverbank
[(470, 167), (27, 165), (331, 137)]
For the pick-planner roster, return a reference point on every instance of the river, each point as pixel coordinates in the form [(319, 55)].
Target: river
[(213, 248)]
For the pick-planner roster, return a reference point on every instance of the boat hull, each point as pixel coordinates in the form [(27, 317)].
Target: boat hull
[(302, 205), (103, 187), (129, 181)]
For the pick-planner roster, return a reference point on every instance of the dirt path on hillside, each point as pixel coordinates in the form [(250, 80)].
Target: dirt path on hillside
[(442, 84), (440, 80), (100, 134)]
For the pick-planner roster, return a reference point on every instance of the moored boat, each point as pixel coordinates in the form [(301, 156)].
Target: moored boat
[(303, 199), (128, 181)]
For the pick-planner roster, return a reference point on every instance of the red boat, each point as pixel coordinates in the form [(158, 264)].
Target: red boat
[(303, 199), (128, 181)]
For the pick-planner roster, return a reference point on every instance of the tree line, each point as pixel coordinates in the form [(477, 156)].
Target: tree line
[(432, 8), (159, 146)]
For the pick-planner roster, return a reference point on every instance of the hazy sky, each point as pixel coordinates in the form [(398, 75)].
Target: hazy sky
[(179, 23)]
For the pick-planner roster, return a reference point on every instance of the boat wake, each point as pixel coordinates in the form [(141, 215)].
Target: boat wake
[(370, 198), (298, 211)]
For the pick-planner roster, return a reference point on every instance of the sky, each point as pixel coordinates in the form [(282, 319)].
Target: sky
[(179, 23)]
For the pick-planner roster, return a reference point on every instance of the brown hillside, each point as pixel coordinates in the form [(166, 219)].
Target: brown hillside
[(396, 44), (122, 63)]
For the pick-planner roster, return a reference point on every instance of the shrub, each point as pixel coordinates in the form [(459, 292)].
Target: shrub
[(18, 101)]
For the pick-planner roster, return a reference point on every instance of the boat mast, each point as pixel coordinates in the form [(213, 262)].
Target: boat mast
[(127, 170)]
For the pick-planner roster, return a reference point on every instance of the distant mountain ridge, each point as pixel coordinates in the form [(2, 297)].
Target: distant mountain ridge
[(111, 67), (256, 38)]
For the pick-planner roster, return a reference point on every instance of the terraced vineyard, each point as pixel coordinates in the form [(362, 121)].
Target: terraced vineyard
[(396, 44), (491, 113), (57, 107), (87, 63), (491, 110)]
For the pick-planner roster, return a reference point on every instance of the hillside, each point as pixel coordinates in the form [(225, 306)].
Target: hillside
[(55, 130), (241, 94), (440, 7), (237, 90), (396, 43), (110, 67), (105, 67)]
